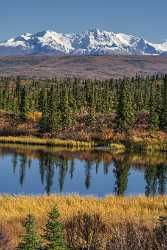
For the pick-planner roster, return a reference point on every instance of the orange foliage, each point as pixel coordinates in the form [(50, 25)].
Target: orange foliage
[(83, 136), (106, 134), (34, 116)]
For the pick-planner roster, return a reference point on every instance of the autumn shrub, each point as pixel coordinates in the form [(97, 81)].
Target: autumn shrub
[(84, 136), (85, 231), (106, 135), (161, 232), (90, 232), (34, 116), (102, 135), (131, 235), (5, 238)]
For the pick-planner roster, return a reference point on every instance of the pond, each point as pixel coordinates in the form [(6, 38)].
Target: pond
[(40, 170)]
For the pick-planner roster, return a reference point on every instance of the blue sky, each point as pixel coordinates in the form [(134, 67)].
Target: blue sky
[(146, 18)]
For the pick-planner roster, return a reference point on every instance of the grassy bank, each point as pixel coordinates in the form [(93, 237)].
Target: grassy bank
[(46, 142), (55, 142), (113, 211), (118, 144), (147, 141), (148, 145)]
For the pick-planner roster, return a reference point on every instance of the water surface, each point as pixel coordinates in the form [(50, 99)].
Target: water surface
[(41, 170)]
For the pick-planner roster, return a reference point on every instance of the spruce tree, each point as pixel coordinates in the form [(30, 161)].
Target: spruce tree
[(153, 116), (67, 115), (54, 115), (22, 104), (91, 117), (18, 84), (43, 124), (30, 240), (125, 111), (41, 100), (53, 232), (163, 115)]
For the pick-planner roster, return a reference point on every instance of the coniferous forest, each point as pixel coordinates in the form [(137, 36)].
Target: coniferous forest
[(60, 102), (59, 108)]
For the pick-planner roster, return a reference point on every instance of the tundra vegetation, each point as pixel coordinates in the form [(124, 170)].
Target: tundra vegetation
[(83, 223)]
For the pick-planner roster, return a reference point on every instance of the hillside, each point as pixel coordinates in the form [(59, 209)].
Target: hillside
[(84, 67)]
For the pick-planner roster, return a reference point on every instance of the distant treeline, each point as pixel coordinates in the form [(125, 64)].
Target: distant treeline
[(61, 101)]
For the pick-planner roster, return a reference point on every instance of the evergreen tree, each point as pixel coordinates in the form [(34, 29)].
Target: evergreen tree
[(18, 84), (54, 114), (67, 116), (158, 98), (91, 117), (4, 99), (53, 234), (163, 116), (22, 104), (41, 100), (30, 240), (43, 124), (153, 116), (125, 111)]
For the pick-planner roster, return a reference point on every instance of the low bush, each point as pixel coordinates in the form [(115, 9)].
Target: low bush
[(85, 231)]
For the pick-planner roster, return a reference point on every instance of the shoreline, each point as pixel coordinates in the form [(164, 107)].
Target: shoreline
[(44, 142), (129, 144)]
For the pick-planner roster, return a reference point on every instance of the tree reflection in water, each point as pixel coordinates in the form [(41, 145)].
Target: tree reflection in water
[(88, 168), (14, 162), (155, 177), (23, 166), (121, 170), (155, 174)]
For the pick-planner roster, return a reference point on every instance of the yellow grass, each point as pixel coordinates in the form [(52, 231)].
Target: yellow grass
[(156, 141), (43, 141), (112, 209), (136, 143), (118, 147)]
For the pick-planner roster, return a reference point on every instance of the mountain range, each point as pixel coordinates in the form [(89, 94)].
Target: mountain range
[(91, 42)]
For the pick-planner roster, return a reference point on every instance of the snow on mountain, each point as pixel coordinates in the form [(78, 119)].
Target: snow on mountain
[(90, 42), (162, 47)]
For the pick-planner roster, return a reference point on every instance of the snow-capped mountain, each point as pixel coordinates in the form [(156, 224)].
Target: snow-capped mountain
[(91, 42)]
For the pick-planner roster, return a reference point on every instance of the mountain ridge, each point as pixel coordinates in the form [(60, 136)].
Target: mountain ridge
[(91, 42)]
